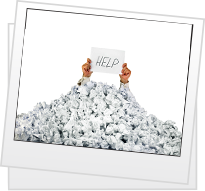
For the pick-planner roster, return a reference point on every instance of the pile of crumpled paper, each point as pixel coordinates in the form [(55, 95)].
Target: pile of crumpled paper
[(100, 116)]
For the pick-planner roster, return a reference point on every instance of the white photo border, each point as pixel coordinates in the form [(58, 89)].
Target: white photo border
[(17, 176), (118, 164)]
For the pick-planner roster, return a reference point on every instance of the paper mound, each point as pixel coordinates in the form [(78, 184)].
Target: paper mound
[(100, 116)]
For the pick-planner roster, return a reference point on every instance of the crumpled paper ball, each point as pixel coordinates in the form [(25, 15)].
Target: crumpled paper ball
[(100, 116)]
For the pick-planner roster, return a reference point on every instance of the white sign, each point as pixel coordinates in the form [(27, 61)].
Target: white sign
[(107, 60)]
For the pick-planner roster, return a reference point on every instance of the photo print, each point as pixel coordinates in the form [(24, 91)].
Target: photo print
[(103, 82)]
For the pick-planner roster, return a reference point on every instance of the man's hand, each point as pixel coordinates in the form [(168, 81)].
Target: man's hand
[(86, 68), (125, 74)]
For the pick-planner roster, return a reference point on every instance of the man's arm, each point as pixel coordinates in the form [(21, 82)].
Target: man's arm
[(126, 86), (126, 73), (83, 80), (86, 73)]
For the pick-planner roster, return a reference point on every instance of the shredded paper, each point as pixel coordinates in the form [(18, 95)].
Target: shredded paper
[(100, 116)]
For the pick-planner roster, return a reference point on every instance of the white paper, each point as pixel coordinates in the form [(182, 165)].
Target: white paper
[(107, 60)]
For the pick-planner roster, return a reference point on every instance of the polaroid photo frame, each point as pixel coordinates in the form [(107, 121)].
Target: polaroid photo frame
[(26, 158), (23, 178)]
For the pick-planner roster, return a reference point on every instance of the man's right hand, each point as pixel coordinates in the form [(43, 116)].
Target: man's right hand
[(86, 68)]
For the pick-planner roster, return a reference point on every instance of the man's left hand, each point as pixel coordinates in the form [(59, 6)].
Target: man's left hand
[(126, 73)]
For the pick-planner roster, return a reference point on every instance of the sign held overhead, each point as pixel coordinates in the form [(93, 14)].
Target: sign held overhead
[(107, 60)]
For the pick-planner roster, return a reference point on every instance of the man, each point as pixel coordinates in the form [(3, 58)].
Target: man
[(87, 73)]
